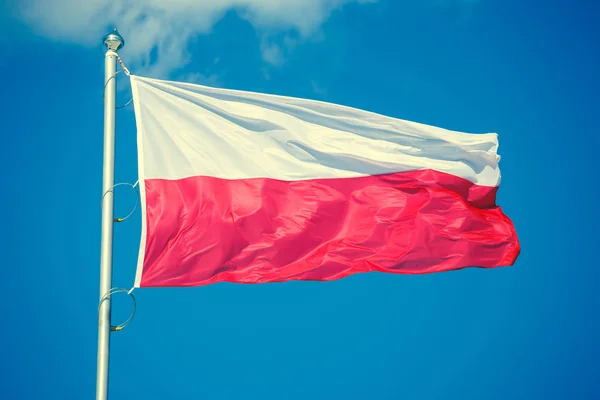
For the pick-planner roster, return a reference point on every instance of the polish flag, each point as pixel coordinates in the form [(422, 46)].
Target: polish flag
[(252, 188)]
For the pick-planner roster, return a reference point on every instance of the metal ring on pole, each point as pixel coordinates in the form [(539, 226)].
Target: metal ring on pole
[(108, 80), (114, 76), (137, 199), (126, 104), (108, 296)]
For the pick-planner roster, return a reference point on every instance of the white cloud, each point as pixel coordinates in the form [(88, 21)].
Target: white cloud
[(157, 32), (275, 50), (318, 89), (272, 53), (196, 77)]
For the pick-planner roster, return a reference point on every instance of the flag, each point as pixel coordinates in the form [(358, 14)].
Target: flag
[(251, 188)]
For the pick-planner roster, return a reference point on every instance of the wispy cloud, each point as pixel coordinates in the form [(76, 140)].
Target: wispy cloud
[(275, 50), (318, 89), (157, 32), (272, 53), (202, 79)]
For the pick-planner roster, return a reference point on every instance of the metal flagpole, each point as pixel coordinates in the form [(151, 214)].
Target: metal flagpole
[(113, 42)]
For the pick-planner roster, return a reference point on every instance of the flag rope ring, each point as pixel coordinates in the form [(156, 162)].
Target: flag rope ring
[(113, 76), (137, 199), (106, 84), (126, 104), (108, 296)]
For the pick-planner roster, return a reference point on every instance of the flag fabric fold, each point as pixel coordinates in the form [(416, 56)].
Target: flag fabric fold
[(251, 188)]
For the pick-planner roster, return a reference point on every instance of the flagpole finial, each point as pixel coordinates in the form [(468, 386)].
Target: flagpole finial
[(114, 41)]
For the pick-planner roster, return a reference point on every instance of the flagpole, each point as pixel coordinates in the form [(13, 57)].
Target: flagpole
[(113, 42)]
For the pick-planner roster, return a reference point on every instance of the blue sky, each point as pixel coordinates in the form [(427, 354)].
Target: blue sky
[(527, 70)]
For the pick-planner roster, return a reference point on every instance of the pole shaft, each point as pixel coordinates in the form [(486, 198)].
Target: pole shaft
[(104, 322)]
